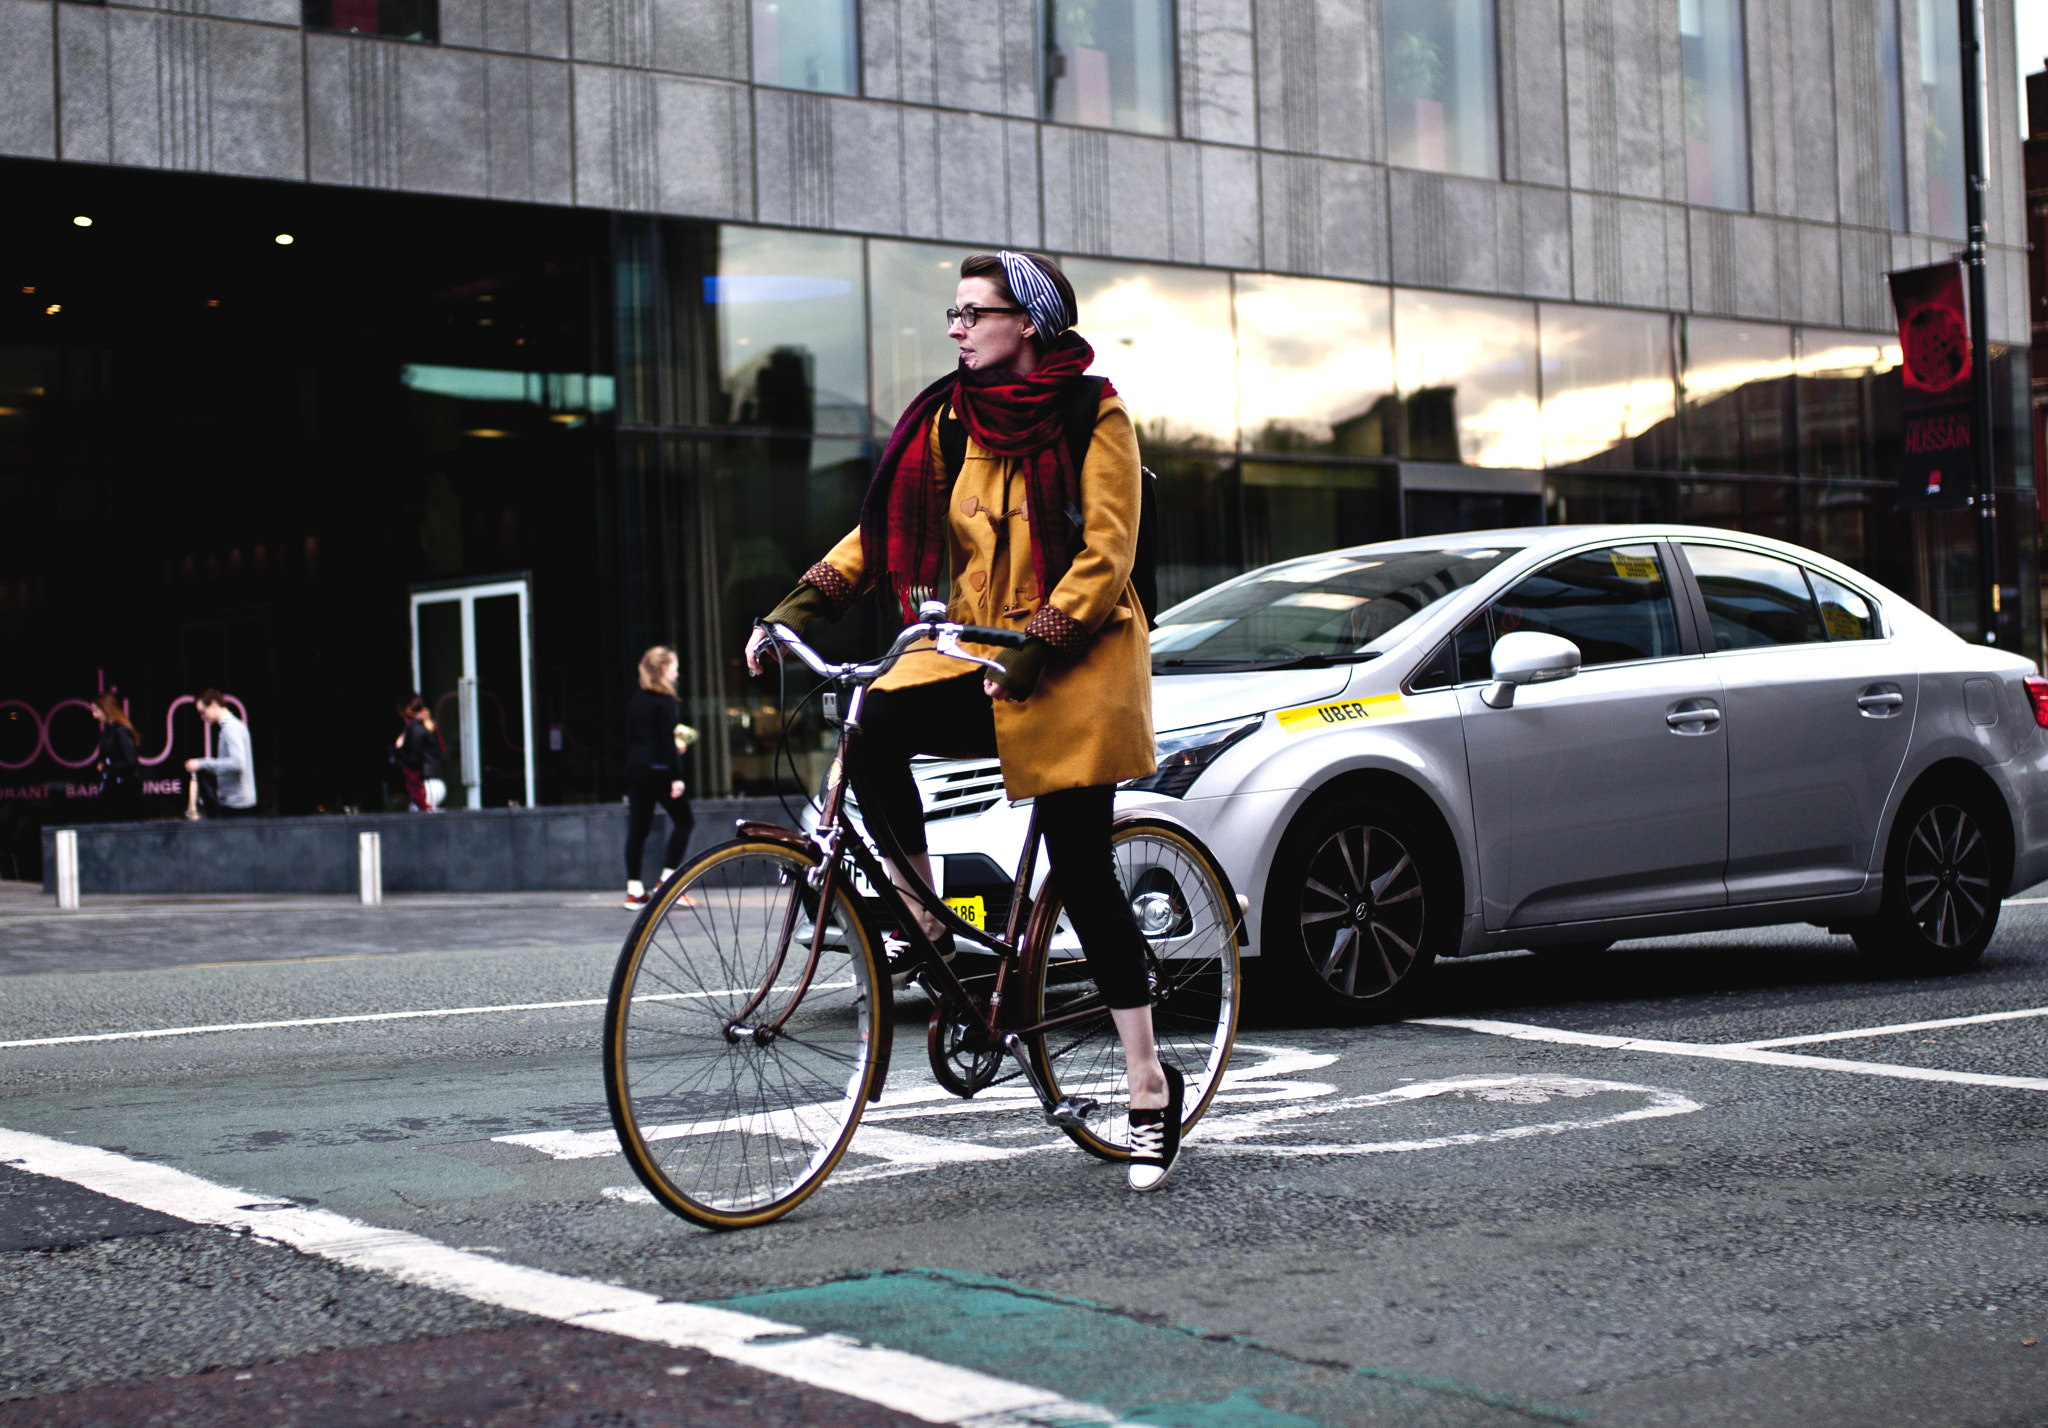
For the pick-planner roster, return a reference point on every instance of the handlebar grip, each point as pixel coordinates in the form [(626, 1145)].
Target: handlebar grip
[(991, 635)]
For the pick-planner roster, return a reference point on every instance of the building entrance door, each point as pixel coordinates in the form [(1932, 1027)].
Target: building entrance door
[(472, 657)]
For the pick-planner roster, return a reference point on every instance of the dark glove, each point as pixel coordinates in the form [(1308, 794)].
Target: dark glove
[(1021, 668), (800, 606)]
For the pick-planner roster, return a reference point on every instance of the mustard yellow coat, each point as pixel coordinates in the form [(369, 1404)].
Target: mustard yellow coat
[(1089, 721)]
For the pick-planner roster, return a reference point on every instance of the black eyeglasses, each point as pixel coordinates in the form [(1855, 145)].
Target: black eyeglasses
[(969, 315)]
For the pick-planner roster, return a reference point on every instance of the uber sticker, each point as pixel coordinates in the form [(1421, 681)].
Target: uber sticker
[(1344, 711)]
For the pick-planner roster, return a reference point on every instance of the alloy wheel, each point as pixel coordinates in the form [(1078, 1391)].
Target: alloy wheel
[(1362, 911), (1948, 876)]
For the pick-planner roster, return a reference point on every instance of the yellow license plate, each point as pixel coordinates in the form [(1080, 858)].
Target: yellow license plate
[(972, 910)]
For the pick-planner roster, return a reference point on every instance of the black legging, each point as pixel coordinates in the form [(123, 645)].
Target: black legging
[(955, 718), (647, 787)]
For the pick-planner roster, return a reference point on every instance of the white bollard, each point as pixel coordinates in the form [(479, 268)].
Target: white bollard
[(370, 867), (67, 868)]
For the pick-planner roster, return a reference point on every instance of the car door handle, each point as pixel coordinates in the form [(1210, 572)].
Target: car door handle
[(1703, 716), (1872, 703)]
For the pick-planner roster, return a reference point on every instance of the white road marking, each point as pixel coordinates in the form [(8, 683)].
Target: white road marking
[(936, 1392), (1516, 1090), (1710, 1052), (360, 1017), (1272, 1107), (1900, 1028)]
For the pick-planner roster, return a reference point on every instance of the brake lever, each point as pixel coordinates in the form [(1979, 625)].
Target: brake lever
[(948, 643)]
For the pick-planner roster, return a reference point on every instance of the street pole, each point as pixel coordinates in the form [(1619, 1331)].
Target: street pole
[(1972, 27)]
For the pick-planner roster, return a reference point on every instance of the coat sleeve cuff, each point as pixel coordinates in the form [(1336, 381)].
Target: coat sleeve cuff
[(832, 585), (1058, 629)]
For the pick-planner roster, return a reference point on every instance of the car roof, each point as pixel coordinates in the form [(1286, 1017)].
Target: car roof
[(1543, 539)]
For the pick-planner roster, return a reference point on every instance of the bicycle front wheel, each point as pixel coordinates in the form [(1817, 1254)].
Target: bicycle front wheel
[(1183, 904), (735, 1083)]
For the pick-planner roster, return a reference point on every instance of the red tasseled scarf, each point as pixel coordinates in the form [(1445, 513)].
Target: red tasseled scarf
[(903, 517)]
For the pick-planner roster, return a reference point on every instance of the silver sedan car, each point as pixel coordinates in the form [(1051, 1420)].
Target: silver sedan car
[(1561, 737)]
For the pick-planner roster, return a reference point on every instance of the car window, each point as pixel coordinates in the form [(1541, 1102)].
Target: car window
[(1845, 614), (1464, 658), (1327, 608), (1614, 604), (1754, 600)]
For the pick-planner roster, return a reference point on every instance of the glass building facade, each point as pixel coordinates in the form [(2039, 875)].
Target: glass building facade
[(607, 308), (259, 448)]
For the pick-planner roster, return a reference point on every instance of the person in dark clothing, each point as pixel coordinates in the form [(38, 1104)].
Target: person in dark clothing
[(419, 752), (655, 740), (120, 762)]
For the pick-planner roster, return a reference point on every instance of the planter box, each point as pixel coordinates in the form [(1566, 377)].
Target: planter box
[(570, 848)]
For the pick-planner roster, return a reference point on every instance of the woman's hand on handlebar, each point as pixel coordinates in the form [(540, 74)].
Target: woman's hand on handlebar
[(759, 638)]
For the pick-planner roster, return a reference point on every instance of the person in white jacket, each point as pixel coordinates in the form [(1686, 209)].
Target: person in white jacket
[(224, 785)]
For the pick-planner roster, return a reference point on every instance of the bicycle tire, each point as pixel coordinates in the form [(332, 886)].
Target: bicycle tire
[(1198, 984), (731, 1132)]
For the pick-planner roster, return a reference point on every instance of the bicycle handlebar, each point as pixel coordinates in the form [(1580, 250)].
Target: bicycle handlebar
[(947, 635)]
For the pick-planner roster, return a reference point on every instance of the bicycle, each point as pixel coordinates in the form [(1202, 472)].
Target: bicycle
[(751, 1017)]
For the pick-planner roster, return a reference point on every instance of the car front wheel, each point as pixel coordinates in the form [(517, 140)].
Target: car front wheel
[(1360, 902), (1940, 896)]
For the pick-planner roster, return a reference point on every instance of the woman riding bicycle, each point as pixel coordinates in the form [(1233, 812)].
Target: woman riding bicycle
[(978, 484)]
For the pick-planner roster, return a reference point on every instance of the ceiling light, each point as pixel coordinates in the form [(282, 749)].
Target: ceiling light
[(53, 309), (284, 240), (30, 288), (486, 431), (82, 221)]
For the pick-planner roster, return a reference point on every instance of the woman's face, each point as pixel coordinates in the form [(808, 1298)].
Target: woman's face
[(99, 716), (668, 673), (999, 339)]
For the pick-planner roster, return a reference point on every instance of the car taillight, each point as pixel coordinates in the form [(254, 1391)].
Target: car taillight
[(2037, 691)]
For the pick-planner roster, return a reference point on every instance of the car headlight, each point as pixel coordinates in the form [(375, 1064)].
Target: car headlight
[(1185, 753)]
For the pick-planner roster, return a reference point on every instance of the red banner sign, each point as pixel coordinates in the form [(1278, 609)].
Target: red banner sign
[(1936, 464)]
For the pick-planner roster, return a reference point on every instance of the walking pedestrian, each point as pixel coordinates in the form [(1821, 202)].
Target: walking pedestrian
[(223, 786), (655, 739), (120, 761), (419, 752)]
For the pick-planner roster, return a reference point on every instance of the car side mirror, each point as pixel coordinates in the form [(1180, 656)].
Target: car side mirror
[(1526, 657)]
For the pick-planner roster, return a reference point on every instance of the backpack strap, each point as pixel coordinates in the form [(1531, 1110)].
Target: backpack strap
[(952, 442)]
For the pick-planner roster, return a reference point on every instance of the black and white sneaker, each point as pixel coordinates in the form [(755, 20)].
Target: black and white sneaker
[(901, 957), (1155, 1137)]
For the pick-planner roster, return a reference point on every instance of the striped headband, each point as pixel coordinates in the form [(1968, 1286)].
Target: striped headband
[(1035, 291)]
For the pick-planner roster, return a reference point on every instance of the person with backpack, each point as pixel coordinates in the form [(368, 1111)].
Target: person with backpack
[(984, 484)]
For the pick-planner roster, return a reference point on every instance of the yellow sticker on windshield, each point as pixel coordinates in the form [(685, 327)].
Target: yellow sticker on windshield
[(972, 910), (1841, 624), (1344, 711), (1633, 567)]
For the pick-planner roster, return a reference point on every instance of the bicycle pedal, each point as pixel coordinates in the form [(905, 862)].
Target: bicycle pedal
[(1073, 1111)]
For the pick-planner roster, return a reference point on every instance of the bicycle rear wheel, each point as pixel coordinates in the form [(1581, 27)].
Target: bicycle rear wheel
[(1183, 904), (727, 1119)]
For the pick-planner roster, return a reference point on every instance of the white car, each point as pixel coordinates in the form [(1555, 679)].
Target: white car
[(1566, 736)]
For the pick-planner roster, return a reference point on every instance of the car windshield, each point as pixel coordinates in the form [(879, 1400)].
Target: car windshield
[(1326, 609)]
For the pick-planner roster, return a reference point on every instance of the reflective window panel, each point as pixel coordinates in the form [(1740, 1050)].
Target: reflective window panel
[(1607, 391), (1315, 366), (1109, 63), (393, 19), (1941, 105), (1465, 369), (1296, 508), (1716, 109), (1163, 336), (1737, 388), (807, 44), (792, 339), (1200, 540), (1847, 615), (910, 286), (1891, 64), (1848, 402), (1765, 508), (1440, 85)]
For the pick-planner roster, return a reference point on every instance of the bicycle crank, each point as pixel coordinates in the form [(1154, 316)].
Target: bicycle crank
[(963, 1058)]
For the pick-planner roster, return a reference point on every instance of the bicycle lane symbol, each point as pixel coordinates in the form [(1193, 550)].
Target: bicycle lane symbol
[(1269, 1107)]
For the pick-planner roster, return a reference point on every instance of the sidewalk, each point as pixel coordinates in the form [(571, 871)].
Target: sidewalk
[(129, 933)]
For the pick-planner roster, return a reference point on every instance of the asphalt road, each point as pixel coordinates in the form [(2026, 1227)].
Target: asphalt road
[(1415, 1224)]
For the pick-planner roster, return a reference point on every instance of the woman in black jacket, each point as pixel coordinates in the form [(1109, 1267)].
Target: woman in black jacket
[(654, 745), (120, 762), (418, 752)]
